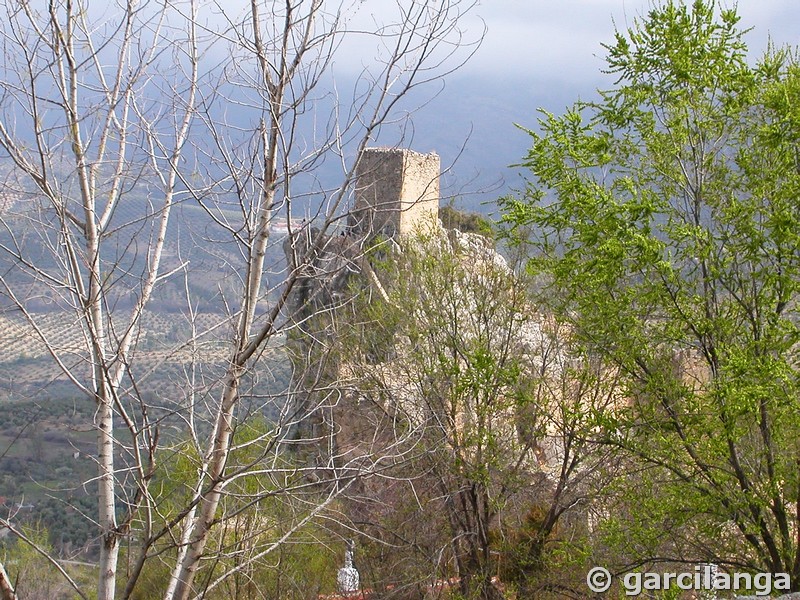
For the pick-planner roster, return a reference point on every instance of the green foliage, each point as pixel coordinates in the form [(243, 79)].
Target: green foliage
[(258, 509), (34, 577), (462, 358), (666, 235), (523, 549), (438, 348), (468, 222)]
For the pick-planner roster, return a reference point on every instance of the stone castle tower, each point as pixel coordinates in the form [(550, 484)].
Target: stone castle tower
[(396, 191)]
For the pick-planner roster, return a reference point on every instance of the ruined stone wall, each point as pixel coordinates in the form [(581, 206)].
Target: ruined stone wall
[(397, 191)]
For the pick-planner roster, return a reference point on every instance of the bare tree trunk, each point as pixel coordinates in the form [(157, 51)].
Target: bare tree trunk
[(63, 39), (6, 587)]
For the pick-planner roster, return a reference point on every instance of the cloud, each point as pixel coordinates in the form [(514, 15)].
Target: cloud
[(561, 41)]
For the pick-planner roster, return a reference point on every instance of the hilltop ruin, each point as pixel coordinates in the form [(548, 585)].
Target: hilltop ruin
[(397, 192)]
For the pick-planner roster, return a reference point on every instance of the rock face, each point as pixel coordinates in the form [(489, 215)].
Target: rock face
[(331, 260), (478, 247)]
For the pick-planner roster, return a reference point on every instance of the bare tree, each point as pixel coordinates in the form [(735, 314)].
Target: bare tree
[(114, 121), (80, 136)]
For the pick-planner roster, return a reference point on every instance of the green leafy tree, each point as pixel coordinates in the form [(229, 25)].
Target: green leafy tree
[(441, 353), (665, 236), (452, 358)]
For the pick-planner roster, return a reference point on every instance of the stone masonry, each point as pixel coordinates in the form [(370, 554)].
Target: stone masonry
[(396, 191)]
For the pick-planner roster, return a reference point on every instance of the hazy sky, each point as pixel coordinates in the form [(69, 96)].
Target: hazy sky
[(535, 54), (545, 54), (561, 39)]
